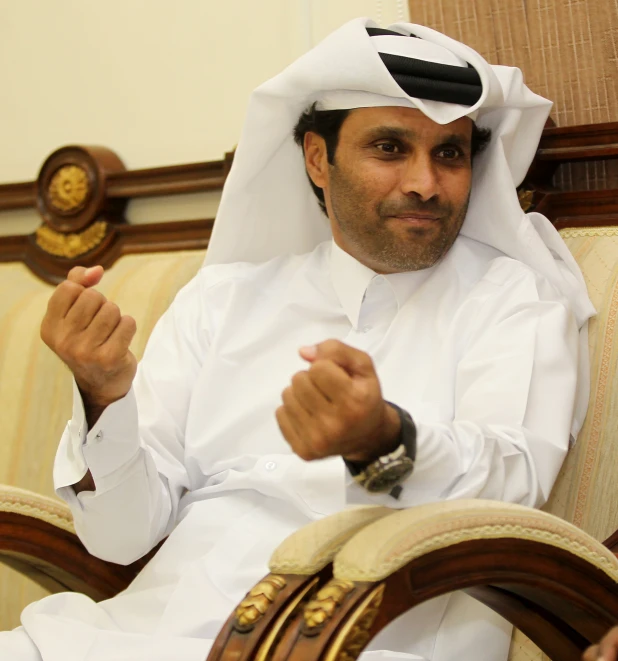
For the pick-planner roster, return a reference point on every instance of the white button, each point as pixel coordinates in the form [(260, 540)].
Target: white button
[(270, 465), (366, 329), (99, 435), (379, 280)]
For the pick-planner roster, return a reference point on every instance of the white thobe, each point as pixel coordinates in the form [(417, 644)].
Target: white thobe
[(481, 350)]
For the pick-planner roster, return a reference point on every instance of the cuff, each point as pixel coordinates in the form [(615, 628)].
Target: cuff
[(70, 465), (114, 439), (110, 444)]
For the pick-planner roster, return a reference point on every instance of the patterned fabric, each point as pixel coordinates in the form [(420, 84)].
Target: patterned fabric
[(523, 649), (35, 388), (313, 546), (583, 491), (28, 503), (412, 533)]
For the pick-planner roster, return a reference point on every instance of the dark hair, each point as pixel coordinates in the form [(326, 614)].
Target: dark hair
[(327, 124)]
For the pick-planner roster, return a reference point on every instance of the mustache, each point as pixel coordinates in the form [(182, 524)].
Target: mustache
[(412, 207)]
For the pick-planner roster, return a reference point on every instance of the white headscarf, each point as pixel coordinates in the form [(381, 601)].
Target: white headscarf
[(268, 207)]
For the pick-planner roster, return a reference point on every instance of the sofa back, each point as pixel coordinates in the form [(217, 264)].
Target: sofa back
[(35, 386)]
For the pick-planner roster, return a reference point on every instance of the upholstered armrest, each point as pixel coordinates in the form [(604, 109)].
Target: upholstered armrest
[(299, 567), (37, 538), (386, 546), (549, 578)]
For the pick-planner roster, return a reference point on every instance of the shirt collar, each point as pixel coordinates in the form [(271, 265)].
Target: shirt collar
[(351, 279)]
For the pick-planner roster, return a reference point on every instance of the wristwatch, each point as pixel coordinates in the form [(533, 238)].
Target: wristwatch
[(386, 473)]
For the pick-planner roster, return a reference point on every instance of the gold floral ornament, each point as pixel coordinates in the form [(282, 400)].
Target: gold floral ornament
[(258, 600), (526, 199), (320, 609), (68, 188), (355, 634), (70, 246)]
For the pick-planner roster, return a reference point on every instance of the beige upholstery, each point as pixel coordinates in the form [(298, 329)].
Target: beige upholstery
[(386, 545), (36, 506), (35, 388), (586, 492), (311, 548)]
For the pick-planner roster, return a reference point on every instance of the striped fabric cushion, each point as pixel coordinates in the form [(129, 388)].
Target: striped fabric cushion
[(35, 388), (583, 491)]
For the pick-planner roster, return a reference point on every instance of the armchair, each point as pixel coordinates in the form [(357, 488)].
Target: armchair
[(547, 577), (333, 586)]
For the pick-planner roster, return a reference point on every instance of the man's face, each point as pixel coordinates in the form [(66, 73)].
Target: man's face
[(398, 190)]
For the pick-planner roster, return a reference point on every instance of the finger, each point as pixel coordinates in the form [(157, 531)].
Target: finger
[(354, 361), (87, 277), (122, 336), (290, 434), (300, 418), (104, 323), (331, 380), (309, 353), (308, 394), (302, 424), (61, 300), (591, 654), (82, 312)]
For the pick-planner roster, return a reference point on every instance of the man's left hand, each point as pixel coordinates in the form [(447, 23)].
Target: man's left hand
[(336, 407)]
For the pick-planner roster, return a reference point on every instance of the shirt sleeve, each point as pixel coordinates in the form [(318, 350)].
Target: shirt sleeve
[(514, 396), (135, 450)]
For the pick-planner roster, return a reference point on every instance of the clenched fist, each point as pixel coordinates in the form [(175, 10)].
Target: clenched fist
[(336, 407), (90, 335)]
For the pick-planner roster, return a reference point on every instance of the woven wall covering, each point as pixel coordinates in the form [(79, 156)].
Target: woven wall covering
[(567, 49)]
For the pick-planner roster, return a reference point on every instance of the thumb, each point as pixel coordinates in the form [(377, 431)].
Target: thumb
[(87, 277), (354, 361)]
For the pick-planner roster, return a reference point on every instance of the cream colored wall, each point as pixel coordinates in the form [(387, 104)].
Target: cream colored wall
[(158, 82)]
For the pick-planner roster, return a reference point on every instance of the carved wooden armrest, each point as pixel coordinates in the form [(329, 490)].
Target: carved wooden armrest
[(298, 568), (547, 577), (37, 538)]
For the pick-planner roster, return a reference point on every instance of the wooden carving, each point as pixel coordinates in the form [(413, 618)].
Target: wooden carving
[(69, 189), (71, 246), (259, 599), (356, 632), (322, 607), (81, 194)]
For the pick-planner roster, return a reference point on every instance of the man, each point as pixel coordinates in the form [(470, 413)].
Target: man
[(279, 386)]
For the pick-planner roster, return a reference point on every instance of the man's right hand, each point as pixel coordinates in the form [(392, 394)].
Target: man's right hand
[(90, 335)]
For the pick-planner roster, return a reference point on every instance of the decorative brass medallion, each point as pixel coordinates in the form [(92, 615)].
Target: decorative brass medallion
[(321, 608), (355, 634), (70, 246), (68, 188), (526, 199), (258, 600)]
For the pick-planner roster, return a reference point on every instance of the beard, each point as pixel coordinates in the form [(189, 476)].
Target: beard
[(384, 242)]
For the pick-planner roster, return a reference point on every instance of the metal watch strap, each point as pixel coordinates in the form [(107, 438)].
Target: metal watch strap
[(405, 452)]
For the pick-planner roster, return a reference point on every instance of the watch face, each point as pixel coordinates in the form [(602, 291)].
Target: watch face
[(389, 476)]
